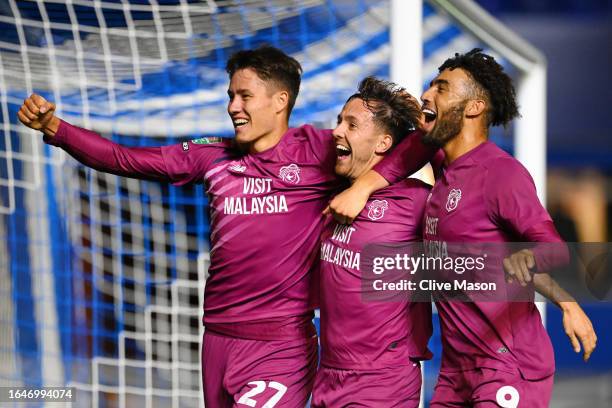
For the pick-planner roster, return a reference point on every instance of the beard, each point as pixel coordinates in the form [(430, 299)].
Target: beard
[(447, 126)]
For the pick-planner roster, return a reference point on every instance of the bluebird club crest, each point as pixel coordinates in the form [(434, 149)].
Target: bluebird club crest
[(376, 209), (290, 173), (453, 199)]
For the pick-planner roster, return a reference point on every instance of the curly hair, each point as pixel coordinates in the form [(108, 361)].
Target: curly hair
[(270, 64), (395, 110), (490, 82)]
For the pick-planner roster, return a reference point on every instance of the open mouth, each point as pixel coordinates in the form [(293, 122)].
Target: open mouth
[(239, 122), (343, 152), (430, 115)]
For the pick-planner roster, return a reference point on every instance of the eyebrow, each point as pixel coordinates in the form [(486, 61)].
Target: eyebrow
[(438, 82), (238, 91), (347, 117)]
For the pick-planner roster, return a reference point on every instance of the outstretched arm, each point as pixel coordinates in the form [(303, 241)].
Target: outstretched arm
[(91, 149)]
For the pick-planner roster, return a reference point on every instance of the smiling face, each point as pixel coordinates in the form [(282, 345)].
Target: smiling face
[(360, 143), (257, 109), (444, 105)]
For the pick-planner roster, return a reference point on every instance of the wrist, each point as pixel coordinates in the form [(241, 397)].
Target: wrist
[(51, 127), (566, 306), (369, 183), (361, 188)]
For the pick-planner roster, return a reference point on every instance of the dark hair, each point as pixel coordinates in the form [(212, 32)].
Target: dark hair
[(394, 109), (271, 65), (491, 82)]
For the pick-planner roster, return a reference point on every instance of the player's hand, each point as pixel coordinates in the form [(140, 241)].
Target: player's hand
[(517, 266), (39, 114), (347, 205), (578, 328)]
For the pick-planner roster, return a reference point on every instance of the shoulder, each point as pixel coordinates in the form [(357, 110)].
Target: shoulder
[(315, 144), (498, 162), (211, 145), (407, 189), (416, 185), (504, 170), (399, 206), (308, 133), (408, 194), (208, 140), (205, 147), (212, 142)]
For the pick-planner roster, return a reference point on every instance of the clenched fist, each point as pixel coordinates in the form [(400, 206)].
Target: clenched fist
[(39, 114)]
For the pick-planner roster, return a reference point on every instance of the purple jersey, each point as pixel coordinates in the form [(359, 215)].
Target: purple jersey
[(368, 335), (487, 196), (265, 218)]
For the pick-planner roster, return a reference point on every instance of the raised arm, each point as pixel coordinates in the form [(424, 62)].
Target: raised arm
[(94, 151), (148, 163)]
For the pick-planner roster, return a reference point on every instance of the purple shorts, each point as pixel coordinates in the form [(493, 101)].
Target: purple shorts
[(386, 387), (485, 387), (248, 373)]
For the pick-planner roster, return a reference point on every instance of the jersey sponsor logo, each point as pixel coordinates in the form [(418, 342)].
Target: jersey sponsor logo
[(342, 233), (376, 209), (270, 204), (453, 199), (236, 166), (342, 257), (431, 225), (185, 146), (207, 140), (256, 185), (290, 173)]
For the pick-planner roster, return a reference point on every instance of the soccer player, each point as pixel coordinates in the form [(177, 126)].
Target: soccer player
[(370, 351), (267, 189), (494, 353)]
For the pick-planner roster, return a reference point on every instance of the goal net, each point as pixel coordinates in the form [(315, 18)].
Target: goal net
[(102, 277)]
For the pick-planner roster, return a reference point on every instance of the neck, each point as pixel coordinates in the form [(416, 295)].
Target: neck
[(269, 140), (377, 158), (467, 140)]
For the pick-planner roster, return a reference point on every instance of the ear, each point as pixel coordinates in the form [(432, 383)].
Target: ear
[(475, 107), (281, 100), (384, 144)]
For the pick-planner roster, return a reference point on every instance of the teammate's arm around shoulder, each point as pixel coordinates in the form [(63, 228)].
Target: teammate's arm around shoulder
[(410, 155), (170, 163), (347, 205)]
